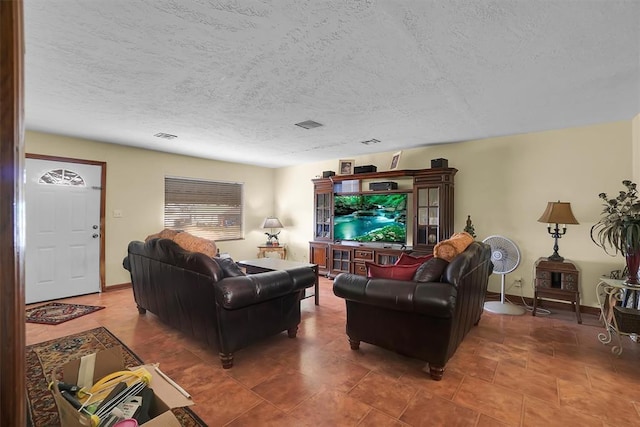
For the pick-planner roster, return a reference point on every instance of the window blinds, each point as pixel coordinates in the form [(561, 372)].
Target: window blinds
[(209, 209)]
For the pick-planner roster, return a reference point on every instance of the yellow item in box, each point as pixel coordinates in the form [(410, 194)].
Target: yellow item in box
[(104, 363)]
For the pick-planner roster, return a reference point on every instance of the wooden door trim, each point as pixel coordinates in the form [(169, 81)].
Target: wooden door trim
[(103, 198), (12, 313)]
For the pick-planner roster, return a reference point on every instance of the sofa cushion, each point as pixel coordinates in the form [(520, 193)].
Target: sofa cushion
[(229, 267), (391, 271), (452, 247), (406, 259), (431, 270)]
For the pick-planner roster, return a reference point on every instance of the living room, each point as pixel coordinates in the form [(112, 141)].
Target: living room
[(504, 183), (510, 370)]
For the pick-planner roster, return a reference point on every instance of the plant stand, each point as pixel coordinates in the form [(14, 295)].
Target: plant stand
[(619, 311)]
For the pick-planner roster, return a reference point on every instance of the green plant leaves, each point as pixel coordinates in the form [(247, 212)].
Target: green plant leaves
[(619, 228)]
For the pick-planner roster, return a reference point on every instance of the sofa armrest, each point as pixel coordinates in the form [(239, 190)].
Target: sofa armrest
[(429, 298), (241, 291)]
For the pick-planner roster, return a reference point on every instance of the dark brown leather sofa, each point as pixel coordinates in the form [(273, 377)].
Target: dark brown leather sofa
[(423, 320), (212, 301)]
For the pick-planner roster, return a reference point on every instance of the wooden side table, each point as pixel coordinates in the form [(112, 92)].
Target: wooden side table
[(557, 280), (272, 252)]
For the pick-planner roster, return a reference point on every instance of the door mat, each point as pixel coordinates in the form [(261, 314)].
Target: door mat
[(44, 357), (55, 313)]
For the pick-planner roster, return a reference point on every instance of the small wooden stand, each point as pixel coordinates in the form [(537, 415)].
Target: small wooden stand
[(559, 281), (268, 251)]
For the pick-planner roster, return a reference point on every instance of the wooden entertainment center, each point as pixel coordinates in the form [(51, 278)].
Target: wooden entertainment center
[(429, 217)]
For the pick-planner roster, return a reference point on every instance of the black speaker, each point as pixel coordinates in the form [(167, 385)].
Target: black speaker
[(327, 174), (387, 185), (439, 163)]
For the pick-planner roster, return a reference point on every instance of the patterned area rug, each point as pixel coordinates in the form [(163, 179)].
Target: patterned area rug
[(55, 313), (43, 358)]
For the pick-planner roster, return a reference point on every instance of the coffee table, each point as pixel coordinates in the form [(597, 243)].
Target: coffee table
[(261, 265)]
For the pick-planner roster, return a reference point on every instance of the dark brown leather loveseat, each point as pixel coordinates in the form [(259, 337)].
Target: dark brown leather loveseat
[(211, 299), (423, 320)]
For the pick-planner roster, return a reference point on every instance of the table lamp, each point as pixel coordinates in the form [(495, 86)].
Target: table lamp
[(272, 222), (557, 213)]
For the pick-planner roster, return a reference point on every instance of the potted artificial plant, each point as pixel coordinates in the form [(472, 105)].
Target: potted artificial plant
[(618, 230)]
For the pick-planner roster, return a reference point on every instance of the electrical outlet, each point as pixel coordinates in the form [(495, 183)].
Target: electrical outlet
[(517, 282)]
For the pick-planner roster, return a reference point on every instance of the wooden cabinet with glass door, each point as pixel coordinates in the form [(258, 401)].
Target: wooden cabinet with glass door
[(387, 256), (319, 255), (433, 206), (323, 203), (341, 259)]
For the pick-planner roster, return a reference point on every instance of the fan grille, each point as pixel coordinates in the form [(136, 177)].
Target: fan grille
[(504, 254)]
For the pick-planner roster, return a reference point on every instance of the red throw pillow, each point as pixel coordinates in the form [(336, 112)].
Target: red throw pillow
[(391, 271), (406, 259)]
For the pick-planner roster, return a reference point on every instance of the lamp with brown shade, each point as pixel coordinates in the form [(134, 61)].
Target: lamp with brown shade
[(557, 213)]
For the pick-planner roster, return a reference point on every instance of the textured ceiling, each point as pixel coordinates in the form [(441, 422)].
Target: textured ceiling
[(230, 78)]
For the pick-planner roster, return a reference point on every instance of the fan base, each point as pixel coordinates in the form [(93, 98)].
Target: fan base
[(504, 308)]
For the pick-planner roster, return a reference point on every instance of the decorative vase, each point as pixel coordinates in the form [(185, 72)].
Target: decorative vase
[(633, 264)]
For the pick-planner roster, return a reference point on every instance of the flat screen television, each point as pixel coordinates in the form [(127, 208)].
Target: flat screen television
[(370, 218)]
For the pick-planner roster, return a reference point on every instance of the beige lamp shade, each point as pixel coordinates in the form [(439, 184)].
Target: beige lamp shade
[(558, 213), (272, 222)]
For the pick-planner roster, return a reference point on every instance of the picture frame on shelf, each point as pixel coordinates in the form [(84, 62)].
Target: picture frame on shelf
[(345, 166), (395, 161)]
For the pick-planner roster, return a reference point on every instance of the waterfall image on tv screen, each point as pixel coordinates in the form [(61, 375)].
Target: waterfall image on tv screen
[(370, 218)]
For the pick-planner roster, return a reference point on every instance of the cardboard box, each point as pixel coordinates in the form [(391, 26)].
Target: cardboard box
[(109, 361)]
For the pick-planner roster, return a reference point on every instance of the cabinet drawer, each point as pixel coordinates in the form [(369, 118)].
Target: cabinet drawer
[(359, 268), (363, 254)]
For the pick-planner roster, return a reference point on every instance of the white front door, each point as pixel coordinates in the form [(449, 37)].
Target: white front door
[(62, 206)]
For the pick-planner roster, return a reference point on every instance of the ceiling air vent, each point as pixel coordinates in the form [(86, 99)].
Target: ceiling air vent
[(370, 141), (309, 124), (165, 135)]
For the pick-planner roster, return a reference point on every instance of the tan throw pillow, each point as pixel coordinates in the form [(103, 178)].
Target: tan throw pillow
[(195, 244), (452, 247), (164, 234)]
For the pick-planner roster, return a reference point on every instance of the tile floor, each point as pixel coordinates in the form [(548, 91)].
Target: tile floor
[(509, 371)]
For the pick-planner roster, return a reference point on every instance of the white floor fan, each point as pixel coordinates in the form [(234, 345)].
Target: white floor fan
[(505, 257)]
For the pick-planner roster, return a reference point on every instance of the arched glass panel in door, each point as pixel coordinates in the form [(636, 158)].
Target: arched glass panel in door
[(62, 177)]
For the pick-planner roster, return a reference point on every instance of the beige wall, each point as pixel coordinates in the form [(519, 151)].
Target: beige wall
[(504, 184), (135, 185)]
